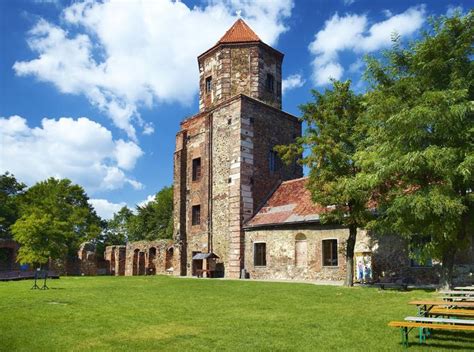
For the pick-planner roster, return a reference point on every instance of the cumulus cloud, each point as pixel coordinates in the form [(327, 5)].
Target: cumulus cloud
[(106, 209), (354, 33), (292, 82), (79, 149), (123, 55), (149, 198)]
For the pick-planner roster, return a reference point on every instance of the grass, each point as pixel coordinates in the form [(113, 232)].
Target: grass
[(174, 314)]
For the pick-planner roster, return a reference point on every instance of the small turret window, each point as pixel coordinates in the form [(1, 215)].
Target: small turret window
[(270, 83), (273, 161), (196, 215), (208, 84), (196, 169)]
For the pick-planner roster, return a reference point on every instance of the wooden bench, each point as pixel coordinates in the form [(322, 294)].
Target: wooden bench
[(458, 298), (451, 312), (407, 326)]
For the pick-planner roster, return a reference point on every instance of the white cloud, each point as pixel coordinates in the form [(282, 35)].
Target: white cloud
[(123, 55), (81, 150), (453, 9), (149, 198), (349, 2), (292, 82), (106, 209), (353, 33)]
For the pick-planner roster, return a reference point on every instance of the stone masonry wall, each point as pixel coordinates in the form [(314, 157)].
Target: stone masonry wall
[(115, 257), (239, 69), (143, 258), (281, 250), (264, 127), (241, 132), (226, 212), (389, 255)]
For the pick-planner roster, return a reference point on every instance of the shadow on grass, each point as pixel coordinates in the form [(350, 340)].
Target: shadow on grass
[(397, 289)]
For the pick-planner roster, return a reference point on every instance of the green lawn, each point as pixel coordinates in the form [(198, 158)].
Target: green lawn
[(164, 313)]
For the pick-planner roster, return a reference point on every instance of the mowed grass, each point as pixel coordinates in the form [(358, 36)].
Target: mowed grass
[(174, 314)]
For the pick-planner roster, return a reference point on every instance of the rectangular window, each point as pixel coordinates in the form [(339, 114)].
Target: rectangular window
[(330, 253), (273, 161), (270, 83), (259, 254), (196, 214), (208, 84), (196, 169)]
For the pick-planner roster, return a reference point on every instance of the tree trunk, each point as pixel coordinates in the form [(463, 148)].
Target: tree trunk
[(446, 279), (350, 244)]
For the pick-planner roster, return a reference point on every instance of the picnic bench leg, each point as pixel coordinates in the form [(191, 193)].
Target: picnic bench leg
[(422, 335), (404, 333)]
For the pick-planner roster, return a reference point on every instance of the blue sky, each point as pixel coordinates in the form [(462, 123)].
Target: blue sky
[(94, 91)]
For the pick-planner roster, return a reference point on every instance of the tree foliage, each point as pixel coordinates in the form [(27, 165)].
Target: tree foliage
[(419, 152), (55, 217), (331, 138), (10, 190), (153, 220)]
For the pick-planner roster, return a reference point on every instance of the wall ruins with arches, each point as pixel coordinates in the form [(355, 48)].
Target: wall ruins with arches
[(143, 258)]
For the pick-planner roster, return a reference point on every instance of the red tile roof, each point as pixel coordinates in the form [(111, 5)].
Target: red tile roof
[(238, 33), (291, 202)]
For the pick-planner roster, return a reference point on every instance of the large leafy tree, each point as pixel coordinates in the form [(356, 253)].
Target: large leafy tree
[(155, 219), (55, 217), (419, 157), (330, 142), (10, 190), (115, 230)]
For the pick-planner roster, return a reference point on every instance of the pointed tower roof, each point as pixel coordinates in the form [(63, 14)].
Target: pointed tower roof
[(238, 33)]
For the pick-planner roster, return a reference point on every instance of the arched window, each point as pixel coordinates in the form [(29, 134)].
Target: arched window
[(301, 250)]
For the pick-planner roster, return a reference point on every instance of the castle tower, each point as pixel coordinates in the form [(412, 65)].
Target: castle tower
[(239, 63), (224, 163)]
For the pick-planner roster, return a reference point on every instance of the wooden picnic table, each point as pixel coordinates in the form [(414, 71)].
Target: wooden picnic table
[(458, 298), (457, 293), (441, 320), (451, 312), (425, 306), (464, 288)]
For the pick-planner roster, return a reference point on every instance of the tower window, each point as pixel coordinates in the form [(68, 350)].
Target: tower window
[(273, 161), (208, 84), (260, 254), (330, 253), (196, 215), (270, 83), (196, 169)]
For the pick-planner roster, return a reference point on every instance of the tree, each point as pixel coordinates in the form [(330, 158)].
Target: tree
[(10, 190), (419, 156), (55, 217), (331, 138), (153, 220), (117, 232)]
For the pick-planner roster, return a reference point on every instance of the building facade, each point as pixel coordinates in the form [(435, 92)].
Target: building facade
[(236, 202), (224, 162)]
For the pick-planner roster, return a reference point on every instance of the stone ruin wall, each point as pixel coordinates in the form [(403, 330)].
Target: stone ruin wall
[(143, 258)]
